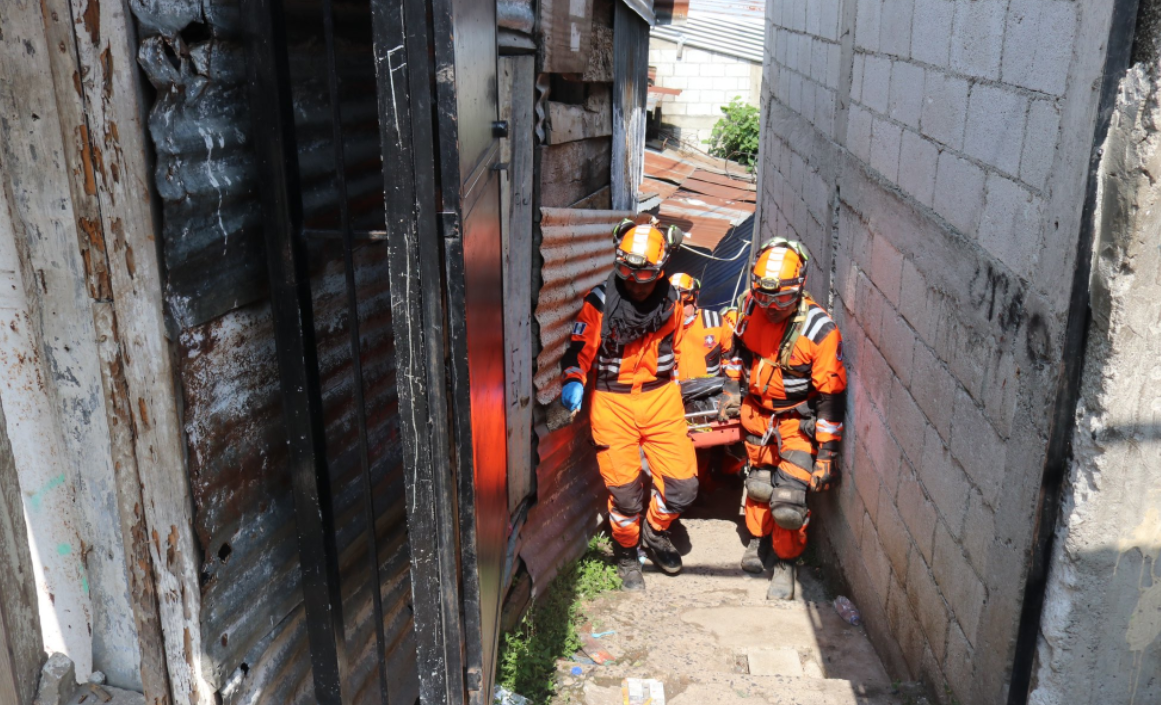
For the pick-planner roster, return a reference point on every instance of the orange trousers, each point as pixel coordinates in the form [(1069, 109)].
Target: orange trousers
[(793, 456), (653, 422)]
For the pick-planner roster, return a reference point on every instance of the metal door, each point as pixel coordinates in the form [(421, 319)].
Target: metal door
[(469, 145)]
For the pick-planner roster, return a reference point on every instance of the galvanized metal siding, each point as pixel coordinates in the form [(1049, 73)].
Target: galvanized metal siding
[(253, 632), (577, 250), (733, 29)]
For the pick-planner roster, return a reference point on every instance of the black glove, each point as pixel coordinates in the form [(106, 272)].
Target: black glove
[(826, 471)]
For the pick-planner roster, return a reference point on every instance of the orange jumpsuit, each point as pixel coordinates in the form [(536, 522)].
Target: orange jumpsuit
[(636, 407), (810, 392), (705, 345)]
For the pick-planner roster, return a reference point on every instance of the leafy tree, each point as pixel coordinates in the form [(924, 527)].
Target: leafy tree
[(735, 136)]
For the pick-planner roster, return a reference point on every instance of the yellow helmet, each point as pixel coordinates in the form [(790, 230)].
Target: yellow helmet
[(643, 250)]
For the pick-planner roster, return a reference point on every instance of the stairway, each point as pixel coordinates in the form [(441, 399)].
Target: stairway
[(711, 637)]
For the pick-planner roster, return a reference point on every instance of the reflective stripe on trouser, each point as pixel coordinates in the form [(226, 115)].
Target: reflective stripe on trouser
[(653, 422), (796, 446)]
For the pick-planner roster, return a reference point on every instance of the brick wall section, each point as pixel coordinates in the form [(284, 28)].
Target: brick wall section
[(707, 81), (933, 155)]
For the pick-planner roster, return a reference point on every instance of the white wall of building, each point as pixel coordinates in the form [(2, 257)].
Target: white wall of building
[(707, 80)]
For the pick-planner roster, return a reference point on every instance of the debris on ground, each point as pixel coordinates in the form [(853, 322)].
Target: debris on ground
[(503, 696), (643, 691), (847, 610)]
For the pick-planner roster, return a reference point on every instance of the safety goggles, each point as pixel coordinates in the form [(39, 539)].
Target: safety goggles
[(636, 268), (778, 299)]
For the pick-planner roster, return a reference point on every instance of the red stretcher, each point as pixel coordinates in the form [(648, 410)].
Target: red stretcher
[(707, 431)]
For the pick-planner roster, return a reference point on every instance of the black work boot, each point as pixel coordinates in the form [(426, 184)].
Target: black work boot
[(781, 582), (752, 558), (628, 568), (660, 549)]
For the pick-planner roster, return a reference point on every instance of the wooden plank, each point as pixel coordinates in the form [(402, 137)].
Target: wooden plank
[(21, 648), (598, 201), (91, 49), (565, 35), (573, 170), (569, 123), (630, 81), (517, 93)]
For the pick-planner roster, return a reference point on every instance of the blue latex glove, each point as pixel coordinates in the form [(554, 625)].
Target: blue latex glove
[(572, 394)]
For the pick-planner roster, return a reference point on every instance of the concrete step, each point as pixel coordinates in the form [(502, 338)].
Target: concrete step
[(738, 689)]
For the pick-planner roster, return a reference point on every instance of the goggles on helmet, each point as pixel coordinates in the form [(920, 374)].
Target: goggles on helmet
[(781, 300), (636, 268)]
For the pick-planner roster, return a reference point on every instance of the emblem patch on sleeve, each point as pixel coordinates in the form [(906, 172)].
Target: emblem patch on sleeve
[(710, 340), (578, 328), (839, 353)]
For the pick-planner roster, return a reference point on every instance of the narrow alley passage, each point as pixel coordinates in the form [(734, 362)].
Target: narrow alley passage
[(711, 636)]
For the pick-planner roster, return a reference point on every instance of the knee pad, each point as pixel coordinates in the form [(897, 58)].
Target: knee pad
[(788, 501), (759, 484), (628, 498), (679, 494)]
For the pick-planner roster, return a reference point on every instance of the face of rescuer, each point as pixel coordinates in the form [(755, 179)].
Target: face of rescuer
[(777, 315), (639, 292)]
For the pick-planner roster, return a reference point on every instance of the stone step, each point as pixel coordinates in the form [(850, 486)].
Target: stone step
[(740, 689)]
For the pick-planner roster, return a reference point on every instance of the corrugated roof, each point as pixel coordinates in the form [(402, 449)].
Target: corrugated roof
[(706, 203), (577, 248), (723, 273), (741, 34)]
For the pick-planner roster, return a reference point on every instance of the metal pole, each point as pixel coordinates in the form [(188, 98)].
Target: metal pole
[(275, 147), (374, 580)]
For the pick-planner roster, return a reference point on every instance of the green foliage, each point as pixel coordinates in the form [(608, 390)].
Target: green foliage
[(735, 136), (528, 655)]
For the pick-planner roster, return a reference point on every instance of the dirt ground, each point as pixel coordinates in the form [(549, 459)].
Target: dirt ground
[(710, 635)]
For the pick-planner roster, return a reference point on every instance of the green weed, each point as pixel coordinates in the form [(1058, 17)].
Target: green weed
[(528, 655)]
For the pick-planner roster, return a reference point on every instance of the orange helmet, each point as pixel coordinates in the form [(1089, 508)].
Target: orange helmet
[(688, 288), (779, 273), (643, 250)]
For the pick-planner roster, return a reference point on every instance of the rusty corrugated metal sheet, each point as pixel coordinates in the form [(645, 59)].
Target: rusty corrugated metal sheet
[(661, 189), (570, 502), (253, 631), (659, 166), (577, 250)]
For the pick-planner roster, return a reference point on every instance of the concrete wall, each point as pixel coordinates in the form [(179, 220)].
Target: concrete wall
[(937, 169), (1099, 636), (707, 80)]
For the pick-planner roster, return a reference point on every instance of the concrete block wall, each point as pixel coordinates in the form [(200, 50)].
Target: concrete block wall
[(707, 80), (933, 155)]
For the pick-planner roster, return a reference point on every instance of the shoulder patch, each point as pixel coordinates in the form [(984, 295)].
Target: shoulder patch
[(818, 324), (596, 297), (578, 328)]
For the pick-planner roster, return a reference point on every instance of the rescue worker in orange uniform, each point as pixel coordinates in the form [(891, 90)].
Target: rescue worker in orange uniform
[(628, 333), (794, 387), (705, 345)]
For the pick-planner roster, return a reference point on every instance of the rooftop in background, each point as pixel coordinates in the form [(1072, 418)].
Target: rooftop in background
[(730, 27)]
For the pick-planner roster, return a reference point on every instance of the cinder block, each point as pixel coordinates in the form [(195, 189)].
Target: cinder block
[(808, 105), (738, 70), (833, 65), (979, 532), (818, 60), (1038, 44), (905, 627), (1010, 226), (977, 38), (907, 421), (918, 513), (893, 534), (918, 159), (878, 566), (797, 17), (867, 483), (931, 31), (712, 69), (886, 268), (977, 447), (805, 55), (824, 116), (884, 453), (858, 132), (962, 349), (877, 83), (959, 665), (895, 27), (870, 308), (933, 389), (686, 68), (715, 97), (699, 83), (828, 19), (857, 73), (1040, 138), (918, 304), (812, 13), (886, 138), (959, 192), (928, 604), (906, 97), (995, 126), (867, 23), (944, 108), (964, 591), (945, 483)]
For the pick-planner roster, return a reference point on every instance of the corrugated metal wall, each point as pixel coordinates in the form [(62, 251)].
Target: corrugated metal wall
[(252, 617)]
